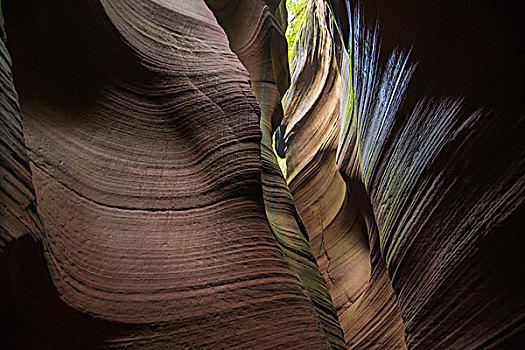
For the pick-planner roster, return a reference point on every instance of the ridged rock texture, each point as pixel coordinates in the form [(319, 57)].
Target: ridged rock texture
[(142, 205), (261, 47), (144, 144), (18, 218), (339, 220), (426, 126)]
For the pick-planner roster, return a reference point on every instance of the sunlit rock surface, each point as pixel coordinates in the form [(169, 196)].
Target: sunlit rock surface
[(142, 205), (430, 118), (255, 30), (144, 144), (337, 216)]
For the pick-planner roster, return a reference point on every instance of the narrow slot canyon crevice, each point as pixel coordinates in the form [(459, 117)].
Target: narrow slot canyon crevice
[(338, 216), (262, 174), (146, 131)]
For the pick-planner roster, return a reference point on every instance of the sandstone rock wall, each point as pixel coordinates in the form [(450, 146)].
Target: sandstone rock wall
[(431, 110)]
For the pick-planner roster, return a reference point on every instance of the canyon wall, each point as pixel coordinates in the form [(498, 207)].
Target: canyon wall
[(425, 132), (143, 138), (143, 205)]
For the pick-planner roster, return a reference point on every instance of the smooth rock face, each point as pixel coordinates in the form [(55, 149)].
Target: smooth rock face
[(144, 143), (255, 30)]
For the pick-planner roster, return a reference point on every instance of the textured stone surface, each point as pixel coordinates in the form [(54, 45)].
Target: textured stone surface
[(18, 218), (142, 205), (144, 142), (17, 196), (443, 166), (431, 115), (337, 216), (255, 30)]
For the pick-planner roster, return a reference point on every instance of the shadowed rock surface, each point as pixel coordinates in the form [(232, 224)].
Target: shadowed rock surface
[(338, 217), (144, 144), (429, 125), (143, 205)]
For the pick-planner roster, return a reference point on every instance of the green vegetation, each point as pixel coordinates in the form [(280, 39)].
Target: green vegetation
[(296, 15)]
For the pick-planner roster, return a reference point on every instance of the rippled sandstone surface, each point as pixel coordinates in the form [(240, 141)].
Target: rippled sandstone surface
[(143, 205)]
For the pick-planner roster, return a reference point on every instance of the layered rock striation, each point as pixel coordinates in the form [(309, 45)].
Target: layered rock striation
[(256, 33), (428, 140), (142, 204), (337, 215), (143, 139)]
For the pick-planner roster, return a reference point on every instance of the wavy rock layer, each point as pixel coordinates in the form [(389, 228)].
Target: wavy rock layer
[(442, 162), (144, 143), (430, 132), (143, 207), (338, 218), (17, 195), (255, 30)]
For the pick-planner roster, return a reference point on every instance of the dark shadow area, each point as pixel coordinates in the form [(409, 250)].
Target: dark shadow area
[(280, 143), (64, 51), (34, 316), (502, 252)]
